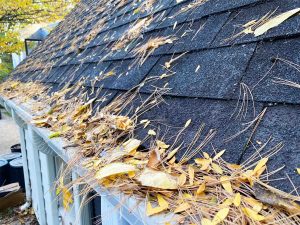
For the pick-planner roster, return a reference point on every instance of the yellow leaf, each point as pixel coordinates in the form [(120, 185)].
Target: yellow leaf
[(172, 161), (182, 207), (237, 200), (187, 196), (206, 155), (114, 169), (248, 176), (203, 162), (298, 171), (201, 189), (220, 216), (187, 123), (67, 198), (151, 132), (131, 145), (109, 74), (157, 179), (162, 205), (161, 144), (182, 179), (234, 166), (123, 123), (217, 168), (55, 134), (172, 153), (227, 203), (136, 11), (131, 174), (274, 22), (256, 205), (226, 184), (191, 175), (219, 155), (41, 122), (252, 214), (162, 202), (260, 165), (205, 221)]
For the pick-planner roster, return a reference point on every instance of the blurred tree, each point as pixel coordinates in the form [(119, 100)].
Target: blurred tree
[(16, 14)]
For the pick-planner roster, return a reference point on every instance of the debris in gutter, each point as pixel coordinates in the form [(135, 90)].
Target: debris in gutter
[(208, 187)]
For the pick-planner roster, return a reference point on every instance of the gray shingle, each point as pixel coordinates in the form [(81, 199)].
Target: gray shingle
[(219, 72)]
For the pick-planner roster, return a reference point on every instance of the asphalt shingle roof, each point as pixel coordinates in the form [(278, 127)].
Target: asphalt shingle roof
[(206, 82)]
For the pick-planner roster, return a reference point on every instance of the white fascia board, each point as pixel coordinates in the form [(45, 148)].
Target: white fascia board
[(133, 210)]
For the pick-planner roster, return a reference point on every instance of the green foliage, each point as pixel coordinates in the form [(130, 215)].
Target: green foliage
[(5, 66), (16, 14)]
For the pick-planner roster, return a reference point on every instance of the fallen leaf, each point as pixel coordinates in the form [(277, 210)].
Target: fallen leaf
[(252, 214), (161, 144), (234, 166), (151, 132), (206, 155), (55, 135), (260, 165), (274, 22), (154, 159), (131, 145), (172, 153), (123, 123), (182, 207), (256, 205), (205, 221), (220, 216), (187, 123), (227, 202), (114, 169), (218, 155), (237, 200), (203, 162), (182, 179), (157, 179), (226, 184), (217, 168), (201, 189), (162, 206), (298, 171)]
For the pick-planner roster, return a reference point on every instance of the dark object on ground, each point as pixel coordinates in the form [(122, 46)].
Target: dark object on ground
[(13, 198), (11, 156), (16, 173), (3, 171), (96, 209), (16, 148)]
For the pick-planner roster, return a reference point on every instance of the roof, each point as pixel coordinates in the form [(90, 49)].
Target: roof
[(213, 71), (40, 34)]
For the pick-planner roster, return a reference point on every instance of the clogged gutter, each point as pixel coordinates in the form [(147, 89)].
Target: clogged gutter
[(206, 189)]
